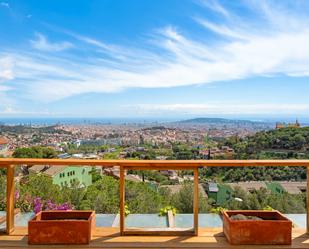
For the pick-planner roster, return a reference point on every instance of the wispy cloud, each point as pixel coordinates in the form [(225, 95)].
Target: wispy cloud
[(215, 6), (41, 43), (170, 59), (222, 29)]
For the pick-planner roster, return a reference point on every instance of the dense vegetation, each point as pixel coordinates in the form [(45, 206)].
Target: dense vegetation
[(286, 143), (35, 152), (102, 196), (236, 174), (29, 129), (262, 199)]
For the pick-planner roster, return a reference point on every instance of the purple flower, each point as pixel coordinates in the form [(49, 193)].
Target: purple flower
[(50, 205), (64, 206), (37, 205)]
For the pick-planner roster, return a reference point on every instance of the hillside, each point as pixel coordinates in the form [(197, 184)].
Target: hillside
[(20, 129), (286, 143)]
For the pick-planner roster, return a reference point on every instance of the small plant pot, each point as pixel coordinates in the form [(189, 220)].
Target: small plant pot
[(61, 227), (272, 229)]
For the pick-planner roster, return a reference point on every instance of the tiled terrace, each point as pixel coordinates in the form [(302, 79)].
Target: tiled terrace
[(110, 238)]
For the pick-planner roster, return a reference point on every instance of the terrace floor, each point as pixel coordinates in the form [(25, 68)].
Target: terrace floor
[(110, 238)]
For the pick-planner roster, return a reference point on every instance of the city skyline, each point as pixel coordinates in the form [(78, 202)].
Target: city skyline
[(234, 59)]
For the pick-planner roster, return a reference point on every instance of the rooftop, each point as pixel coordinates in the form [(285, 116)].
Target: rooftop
[(252, 185), (51, 171), (3, 141), (47, 170)]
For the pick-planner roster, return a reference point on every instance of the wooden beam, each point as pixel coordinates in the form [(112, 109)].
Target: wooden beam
[(159, 232), (122, 199), (188, 167), (10, 199), (307, 200), (195, 202)]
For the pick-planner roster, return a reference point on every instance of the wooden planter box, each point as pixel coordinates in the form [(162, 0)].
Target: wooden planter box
[(274, 229), (61, 227)]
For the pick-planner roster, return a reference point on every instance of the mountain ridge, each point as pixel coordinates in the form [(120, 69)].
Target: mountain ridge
[(217, 120)]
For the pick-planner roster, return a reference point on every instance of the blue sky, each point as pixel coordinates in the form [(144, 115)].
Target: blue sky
[(162, 58)]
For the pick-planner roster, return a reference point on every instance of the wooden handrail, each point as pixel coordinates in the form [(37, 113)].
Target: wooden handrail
[(10, 164), (153, 163)]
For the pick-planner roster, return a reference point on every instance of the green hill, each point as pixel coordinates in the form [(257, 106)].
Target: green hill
[(216, 120)]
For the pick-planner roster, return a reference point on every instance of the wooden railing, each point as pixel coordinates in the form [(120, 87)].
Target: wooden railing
[(11, 163)]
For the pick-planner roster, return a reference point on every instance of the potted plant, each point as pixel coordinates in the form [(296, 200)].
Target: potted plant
[(256, 227), (164, 211), (169, 212), (218, 210)]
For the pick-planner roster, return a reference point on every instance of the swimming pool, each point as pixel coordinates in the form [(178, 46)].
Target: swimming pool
[(154, 220)]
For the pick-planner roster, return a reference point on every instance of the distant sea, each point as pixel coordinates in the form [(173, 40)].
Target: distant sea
[(53, 121)]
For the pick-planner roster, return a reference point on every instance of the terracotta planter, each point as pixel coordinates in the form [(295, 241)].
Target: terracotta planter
[(274, 229), (61, 227)]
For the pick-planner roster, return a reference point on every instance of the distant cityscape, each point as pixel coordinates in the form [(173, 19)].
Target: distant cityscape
[(191, 132)]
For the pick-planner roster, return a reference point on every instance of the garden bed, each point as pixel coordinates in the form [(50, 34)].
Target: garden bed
[(61, 227)]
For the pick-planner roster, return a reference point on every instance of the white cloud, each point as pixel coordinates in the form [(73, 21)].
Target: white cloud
[(172, 59), (7, 104), (41, 43), (224, 109), (5, 4), (6, 69), (10, 110)]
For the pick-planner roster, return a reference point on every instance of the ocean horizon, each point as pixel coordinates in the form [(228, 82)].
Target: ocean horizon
[(45, 121)]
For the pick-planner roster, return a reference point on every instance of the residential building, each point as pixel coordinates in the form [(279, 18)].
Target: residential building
[(115, 172), (249, 186), (220, 193), (65, 175), (294, 187)]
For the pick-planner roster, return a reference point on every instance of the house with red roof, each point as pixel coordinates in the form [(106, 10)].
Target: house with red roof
[(3, 145)]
